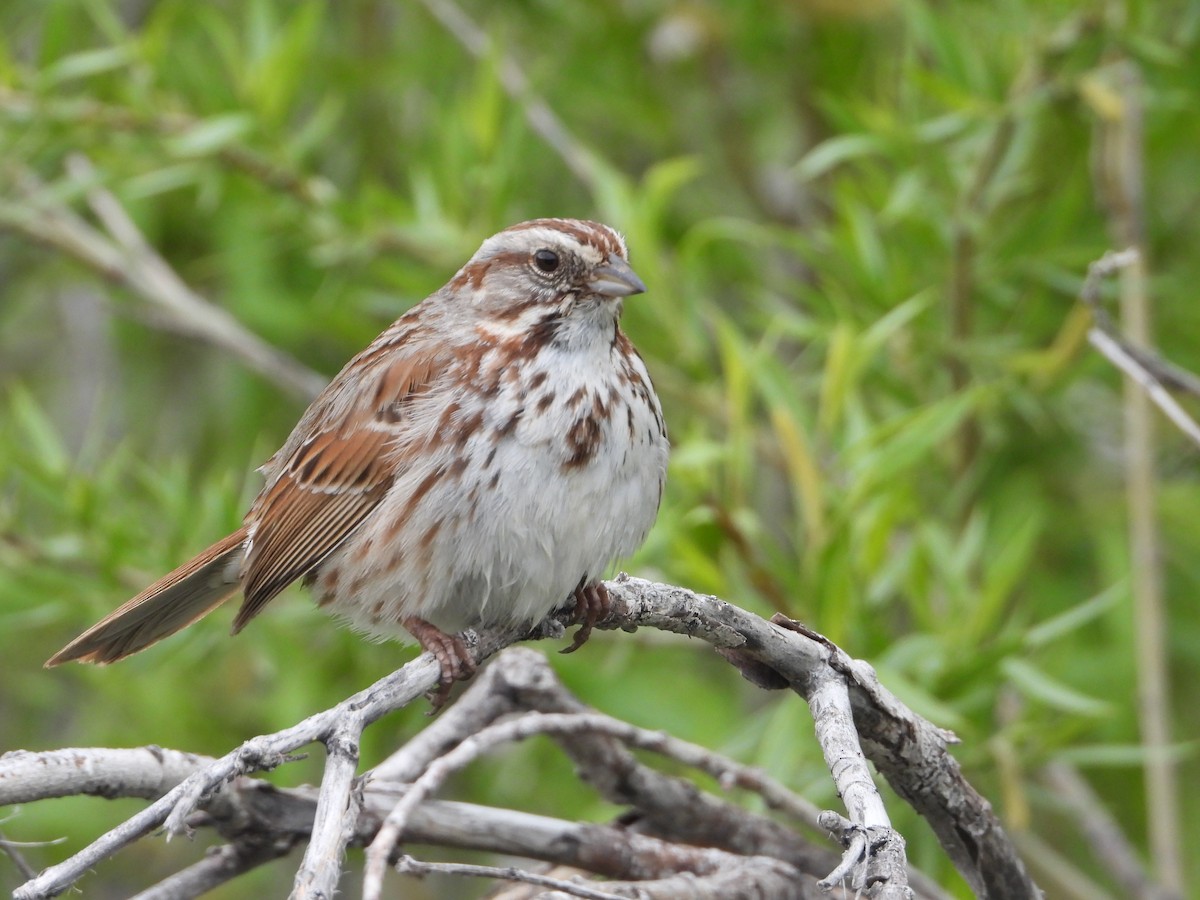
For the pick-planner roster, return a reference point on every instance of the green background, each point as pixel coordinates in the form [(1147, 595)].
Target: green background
[(864, 226)]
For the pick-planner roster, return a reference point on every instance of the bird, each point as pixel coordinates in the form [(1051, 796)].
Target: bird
[(482, 462)]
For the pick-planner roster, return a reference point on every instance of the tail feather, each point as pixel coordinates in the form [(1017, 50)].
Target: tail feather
[(170, 604)]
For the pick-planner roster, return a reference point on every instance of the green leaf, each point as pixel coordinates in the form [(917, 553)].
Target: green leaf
[(87, 64), (831, 153), (909, 438), (211, 135), (1037, 685), (42, 441), (1075, 618)]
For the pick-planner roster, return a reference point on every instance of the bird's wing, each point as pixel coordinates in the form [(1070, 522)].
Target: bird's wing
[(333, 472)]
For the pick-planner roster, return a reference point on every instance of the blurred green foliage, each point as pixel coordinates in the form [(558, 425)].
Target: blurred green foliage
[(864, 226)]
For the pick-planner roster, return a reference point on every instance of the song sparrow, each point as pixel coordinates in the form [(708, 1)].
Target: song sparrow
[(480, 463)]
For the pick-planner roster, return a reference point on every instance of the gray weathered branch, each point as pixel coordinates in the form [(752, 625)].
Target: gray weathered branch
[(846, 697)]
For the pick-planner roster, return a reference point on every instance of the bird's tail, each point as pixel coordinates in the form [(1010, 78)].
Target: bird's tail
[(172, 603)]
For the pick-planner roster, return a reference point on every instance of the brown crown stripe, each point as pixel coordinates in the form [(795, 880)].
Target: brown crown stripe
[(593, 233)]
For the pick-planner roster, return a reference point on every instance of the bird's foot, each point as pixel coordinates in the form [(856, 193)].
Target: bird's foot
[(592, 604), (451, 653)]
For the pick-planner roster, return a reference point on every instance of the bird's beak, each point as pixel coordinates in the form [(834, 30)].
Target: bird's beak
[(616, 279)]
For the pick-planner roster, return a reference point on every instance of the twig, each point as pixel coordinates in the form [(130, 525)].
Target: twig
[(1145, 368), (160, 283), (739, 879), (1105, 839), (10, 848), (406, 865), (829, 700), (1168, 374), (610, 851), (582, 163), (666, 806), (1121, 177), (252, 813), (392, 692), (124, 256), (1117, 354), (854, 839), (834, 722), (148, 772), (1064, 879), (726, 771), (219, 866)]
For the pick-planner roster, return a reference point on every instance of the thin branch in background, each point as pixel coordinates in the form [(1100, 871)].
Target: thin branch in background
[(972, 211), (545, 123), (121, 254), (1064, 880), (1166, 373), (1108, 843), (161, 284), (11, 850), (978, 200), (1154, 374), (316, 192), (1117, 354), (1120, 175), (218, 867)]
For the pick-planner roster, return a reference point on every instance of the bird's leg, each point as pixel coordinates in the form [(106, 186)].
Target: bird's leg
[(451, 653), (592, 604)]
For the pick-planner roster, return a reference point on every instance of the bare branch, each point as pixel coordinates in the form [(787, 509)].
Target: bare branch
[(1120, 186), (409, 866), (334, 819), (146, 772), (221, 865), (870, 841), (834, 720), (742, 879), (667, 807), (728, 772), (909, 751), (123, 256), (1117, 353), (12, 851), (1147, 369), (392, 692), (1108, 843), (545, 123), (855, 840)]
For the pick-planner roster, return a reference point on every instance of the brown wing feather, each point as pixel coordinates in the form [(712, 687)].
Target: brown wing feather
[(330, 482)]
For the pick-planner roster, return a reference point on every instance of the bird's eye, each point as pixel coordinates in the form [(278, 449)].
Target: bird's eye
[(546, 260)]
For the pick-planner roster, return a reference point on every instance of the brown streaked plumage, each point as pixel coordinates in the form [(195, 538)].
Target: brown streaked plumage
[(481, 462)]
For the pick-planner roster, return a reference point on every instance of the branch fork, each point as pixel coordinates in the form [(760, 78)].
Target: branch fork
[(683, 839)]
